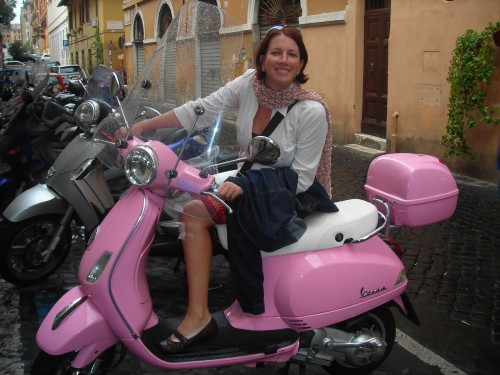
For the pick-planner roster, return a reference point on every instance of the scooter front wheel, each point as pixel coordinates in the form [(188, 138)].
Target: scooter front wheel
[(379, 323), (46, 364), (24, 246)]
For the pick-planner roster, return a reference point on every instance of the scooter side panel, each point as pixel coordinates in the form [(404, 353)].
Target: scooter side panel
[(334, 278), (317, 288), (84, 326), (38, 200)]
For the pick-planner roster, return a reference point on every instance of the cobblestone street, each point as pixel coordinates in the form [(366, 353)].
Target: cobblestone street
[(453, 271)]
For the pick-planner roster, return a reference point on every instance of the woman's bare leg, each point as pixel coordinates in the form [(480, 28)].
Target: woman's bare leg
[(198, 257)]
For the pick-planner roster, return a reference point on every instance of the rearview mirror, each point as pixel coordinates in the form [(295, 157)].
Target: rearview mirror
[(263, 150)]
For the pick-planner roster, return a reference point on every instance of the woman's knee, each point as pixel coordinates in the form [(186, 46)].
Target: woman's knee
[(195, 218), (195, 211)]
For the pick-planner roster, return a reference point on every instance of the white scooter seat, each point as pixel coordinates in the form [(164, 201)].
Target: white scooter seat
[(355, 219)]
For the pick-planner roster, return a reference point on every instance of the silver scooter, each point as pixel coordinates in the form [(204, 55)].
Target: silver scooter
[(37, 225)]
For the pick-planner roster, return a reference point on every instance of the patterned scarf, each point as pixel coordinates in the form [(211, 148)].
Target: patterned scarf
[(279, 99)]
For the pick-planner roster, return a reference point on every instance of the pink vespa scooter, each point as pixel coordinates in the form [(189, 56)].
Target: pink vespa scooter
[(327, 297)]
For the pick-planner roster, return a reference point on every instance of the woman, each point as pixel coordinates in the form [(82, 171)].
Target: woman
[(257, 94)]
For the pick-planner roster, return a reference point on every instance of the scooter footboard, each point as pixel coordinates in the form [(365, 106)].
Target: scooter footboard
[(75, 323)]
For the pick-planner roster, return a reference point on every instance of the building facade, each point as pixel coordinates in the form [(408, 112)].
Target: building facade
[(9, 36), (58, 28), (381, 65), (39, 25), (94, 29)]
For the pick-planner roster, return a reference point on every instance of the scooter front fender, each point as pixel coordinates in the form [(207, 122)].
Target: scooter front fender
[(38, 200), (75, 323)]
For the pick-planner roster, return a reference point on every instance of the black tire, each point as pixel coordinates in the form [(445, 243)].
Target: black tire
[(46, 364), (379, 323), (23, 246)]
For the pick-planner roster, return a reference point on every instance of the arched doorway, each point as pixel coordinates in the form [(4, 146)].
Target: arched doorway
[(278, 12)]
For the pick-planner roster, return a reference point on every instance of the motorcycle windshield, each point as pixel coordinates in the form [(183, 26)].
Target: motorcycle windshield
[(33, 75), (199, 53), (98, 86)]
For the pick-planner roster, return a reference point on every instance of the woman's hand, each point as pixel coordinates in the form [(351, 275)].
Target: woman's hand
[(122, 132), (137, 129), (229, 191)]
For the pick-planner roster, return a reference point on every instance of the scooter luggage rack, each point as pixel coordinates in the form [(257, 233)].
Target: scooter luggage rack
[(385, 224)]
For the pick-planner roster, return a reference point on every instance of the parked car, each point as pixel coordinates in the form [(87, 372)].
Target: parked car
[(67, 71), (12, 63)]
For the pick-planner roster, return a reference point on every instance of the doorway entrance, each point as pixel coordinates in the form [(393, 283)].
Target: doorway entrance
[(375, 74)]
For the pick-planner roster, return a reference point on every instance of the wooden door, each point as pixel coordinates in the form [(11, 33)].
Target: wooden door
[(377, 27)]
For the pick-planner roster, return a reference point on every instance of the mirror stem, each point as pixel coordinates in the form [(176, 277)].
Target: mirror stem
[(204, 171)]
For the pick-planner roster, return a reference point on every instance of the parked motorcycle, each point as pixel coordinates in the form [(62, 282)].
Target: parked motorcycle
[(345, 325), (37, 223), (34, 131), (19, 165)]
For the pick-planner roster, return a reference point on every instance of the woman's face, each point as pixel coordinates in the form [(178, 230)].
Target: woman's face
[(281, 63)]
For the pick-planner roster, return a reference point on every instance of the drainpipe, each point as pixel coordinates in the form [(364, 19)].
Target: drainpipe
[(394, 136)]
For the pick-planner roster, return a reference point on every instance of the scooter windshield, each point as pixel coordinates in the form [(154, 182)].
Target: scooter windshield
[(199, 53)]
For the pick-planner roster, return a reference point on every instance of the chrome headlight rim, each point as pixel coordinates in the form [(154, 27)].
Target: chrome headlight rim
[(87, 114), (141, 165)]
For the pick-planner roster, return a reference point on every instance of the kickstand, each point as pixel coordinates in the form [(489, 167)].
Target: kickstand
[(284, 370)]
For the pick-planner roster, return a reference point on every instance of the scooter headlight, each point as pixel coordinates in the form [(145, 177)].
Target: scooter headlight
[(141, 165), (87, 114)]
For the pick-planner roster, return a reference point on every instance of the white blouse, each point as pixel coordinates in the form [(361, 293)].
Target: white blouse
[(301, 135)]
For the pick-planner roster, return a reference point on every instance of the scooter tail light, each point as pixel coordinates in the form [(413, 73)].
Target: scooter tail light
[(98, 268), (402, 277)]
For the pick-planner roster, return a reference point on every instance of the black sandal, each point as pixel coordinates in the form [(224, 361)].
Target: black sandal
[(170, 346)]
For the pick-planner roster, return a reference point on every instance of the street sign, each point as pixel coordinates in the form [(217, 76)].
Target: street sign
[(65, 43)]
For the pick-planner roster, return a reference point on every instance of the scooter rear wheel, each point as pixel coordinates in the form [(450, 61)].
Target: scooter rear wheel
[(23, 247), (45, 364), (380, 323)]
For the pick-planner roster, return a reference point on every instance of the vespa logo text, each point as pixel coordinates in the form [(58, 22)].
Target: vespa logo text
[(368, 293)]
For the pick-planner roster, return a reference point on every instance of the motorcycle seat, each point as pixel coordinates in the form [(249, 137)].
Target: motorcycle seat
[(355, 219)]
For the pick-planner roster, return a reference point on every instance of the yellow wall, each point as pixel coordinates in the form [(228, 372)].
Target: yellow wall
[(109, 10), (322, 6), (423, 35), (111, 29)]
